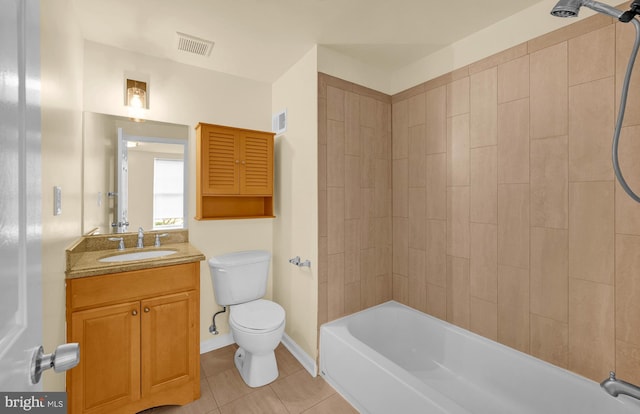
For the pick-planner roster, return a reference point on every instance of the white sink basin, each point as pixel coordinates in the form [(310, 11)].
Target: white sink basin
[(127, 257)]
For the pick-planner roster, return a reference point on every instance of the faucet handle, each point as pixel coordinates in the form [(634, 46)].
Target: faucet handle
[(120, 240), (612, 375), (157, 243)]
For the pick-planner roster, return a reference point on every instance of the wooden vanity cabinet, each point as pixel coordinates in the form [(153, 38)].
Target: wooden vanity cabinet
[(139, 339), (234, 172)]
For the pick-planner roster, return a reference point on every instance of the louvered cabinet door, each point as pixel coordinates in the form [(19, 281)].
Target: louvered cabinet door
[(256, 164), (221, 162)]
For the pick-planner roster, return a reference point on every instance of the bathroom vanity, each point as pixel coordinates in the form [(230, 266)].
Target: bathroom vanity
[(137, 323)]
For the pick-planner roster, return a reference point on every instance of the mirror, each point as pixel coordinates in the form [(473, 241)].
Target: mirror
[(150, 165)]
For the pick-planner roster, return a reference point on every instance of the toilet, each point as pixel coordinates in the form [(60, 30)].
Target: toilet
[(240, 282)]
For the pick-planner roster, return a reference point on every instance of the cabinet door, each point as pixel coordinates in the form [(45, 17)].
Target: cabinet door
[(108, 376), (256, 170), (170, 348), (220, 161)]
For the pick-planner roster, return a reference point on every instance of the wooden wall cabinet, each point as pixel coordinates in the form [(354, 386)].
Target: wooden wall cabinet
[(139, 339), (234, 173)]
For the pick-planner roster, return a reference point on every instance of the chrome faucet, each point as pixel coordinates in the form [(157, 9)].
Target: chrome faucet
[(615, 387), (140, 244)]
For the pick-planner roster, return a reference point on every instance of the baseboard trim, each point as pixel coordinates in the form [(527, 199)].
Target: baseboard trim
[(217, 342), (305, 360)]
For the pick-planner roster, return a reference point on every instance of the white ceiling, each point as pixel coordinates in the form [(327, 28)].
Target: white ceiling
[(261, 39)]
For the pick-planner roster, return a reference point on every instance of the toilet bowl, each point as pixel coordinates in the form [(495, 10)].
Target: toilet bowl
[(257, 325), (257, 328)]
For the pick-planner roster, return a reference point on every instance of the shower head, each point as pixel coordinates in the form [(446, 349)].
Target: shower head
[(567, 8), (570, 8)]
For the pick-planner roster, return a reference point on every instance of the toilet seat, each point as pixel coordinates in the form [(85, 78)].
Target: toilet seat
[(257, 316)]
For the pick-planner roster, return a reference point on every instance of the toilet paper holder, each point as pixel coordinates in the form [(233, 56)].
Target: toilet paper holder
[(296, 261)]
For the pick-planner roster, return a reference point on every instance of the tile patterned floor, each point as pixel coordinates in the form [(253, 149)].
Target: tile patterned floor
[(224, 392)]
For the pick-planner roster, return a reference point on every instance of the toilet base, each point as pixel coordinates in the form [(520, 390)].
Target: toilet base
[(256, 370)]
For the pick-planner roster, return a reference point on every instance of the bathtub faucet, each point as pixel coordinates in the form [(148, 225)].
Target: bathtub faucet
[(614, 387)]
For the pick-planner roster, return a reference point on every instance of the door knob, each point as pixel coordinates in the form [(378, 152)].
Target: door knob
[(65, 357)]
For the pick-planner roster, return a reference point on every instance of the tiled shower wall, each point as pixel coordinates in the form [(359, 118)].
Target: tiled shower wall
[(506, 217), (354, 185)]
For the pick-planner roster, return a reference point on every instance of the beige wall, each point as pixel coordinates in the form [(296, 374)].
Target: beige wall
[(511, 157), (187, 95), (61, 103), (296, 201), (354, 187)]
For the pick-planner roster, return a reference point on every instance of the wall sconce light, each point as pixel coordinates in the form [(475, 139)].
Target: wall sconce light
[(136, 98)]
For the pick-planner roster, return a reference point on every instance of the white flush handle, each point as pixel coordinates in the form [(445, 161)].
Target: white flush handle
[(64, 358)]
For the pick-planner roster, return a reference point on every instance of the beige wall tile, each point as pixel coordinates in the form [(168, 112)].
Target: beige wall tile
[(417, 218), (550, 183), (437, 301), (323, 213), (483, 318), (484, 185), (352, 298), (513, 142), (384, 258), (352, 187), (384, 288), (401, 289), (458, 150), (550, 273), (436, 126), (549, 91), (591, 231), (513, 307), (335, 286), (458, 291), (625, 34), (627, 288), (367, 277), (568, 32), (483, 108), (550, 340), (458, 221), (322, 167), (322, 121), (591, 122), (458, 97), (400, 124), (352, 124), (367, 157), (484, 262), (499, 58), (335, 220), (401, 187), (352, 250), (417, 110), (417, 280), (400, 246), (436, 185), (335, 103), (591, 329), (417, 156), (335, 154), (513, 225), (367, 111), (437, 252), (592, 56), (323, 307), (627, 362), (627, 211), (323, 260), (513, 80), (382, 190)]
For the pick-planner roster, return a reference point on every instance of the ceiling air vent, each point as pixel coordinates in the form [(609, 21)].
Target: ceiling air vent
[(192, 44)]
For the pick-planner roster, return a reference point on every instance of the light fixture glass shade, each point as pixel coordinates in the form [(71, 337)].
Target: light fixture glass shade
[(136, 97)]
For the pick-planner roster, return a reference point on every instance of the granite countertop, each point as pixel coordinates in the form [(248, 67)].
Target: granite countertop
[(83, 256)]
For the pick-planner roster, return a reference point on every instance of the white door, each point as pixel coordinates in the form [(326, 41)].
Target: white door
[(20, 224), (122, 216)]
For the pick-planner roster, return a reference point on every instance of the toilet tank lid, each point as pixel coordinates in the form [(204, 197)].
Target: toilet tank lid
[(240, 258)]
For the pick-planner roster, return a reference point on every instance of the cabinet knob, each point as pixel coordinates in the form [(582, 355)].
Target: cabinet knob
[(146, 309), (134, 312), (237, 161)]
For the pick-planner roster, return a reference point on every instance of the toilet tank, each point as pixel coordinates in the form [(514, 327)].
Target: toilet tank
[(239, 277)]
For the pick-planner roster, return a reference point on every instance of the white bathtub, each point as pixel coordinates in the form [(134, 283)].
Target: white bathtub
[(394, 359)]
